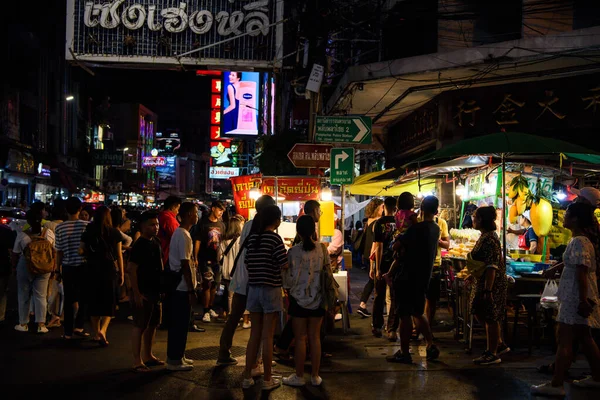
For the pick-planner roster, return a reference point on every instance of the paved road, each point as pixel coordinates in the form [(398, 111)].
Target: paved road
[(34, 365)]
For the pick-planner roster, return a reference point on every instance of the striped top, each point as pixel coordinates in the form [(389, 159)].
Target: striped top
[(68, 240), (265, 262)]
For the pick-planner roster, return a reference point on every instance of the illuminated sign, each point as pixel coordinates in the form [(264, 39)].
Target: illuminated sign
[(154, 152), (240, 102), (215, 132), (43, 170), (223, 172), (154, 161), (215, 101)]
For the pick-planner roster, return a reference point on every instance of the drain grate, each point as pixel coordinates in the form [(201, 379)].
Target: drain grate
[(212, 352)]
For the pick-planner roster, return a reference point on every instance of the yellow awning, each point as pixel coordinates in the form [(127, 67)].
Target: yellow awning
[(373, 187)]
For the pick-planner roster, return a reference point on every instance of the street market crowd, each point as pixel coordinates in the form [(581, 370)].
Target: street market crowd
[(75, 263)]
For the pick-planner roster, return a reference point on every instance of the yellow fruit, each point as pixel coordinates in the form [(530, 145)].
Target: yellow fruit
[(521, 204), (541, 217), (513, 214), (512, 192), (523, 192)]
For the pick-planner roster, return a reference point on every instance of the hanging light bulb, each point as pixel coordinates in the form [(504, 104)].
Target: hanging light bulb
[(326, 194), (255, 193), (460, 190), (561, 195)]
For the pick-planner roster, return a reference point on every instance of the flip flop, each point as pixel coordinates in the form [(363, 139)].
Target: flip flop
[(154, 362), (141, 368), (81, 334)]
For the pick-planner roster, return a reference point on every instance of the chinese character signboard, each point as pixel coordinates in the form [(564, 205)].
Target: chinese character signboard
[(168, 32)]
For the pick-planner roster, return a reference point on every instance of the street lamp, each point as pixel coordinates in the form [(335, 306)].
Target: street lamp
[(326, 194), (126, 149), (255, 193), (70, 98)]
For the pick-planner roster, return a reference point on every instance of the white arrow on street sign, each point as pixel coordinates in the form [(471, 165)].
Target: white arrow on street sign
[(341, 157), (362, 130)]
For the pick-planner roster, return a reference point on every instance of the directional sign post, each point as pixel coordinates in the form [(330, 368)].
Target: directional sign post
[(348, 129), (308, 155), (342, 166)]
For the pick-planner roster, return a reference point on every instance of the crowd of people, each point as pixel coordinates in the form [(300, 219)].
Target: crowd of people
[(73, 263)]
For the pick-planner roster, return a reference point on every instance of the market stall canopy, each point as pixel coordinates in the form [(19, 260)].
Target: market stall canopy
[(352, 206), (447, 167), (386, 187), (510, 143)]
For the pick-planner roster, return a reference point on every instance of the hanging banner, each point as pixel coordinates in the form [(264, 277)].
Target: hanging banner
[(241, 193), (293, 189)]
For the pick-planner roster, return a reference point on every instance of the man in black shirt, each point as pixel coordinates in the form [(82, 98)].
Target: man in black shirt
[(7, 242), (383, 234), (145, 268), (419, 246), (207, 237)]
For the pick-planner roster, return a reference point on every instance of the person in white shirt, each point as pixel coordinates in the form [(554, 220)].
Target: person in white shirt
[(184, 296), (306, 260)]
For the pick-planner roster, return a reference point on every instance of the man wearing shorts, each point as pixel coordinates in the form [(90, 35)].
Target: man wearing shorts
[(419, 246), (207, 239), (145, 268)]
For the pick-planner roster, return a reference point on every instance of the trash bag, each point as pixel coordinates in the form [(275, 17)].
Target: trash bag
[(549, 298)]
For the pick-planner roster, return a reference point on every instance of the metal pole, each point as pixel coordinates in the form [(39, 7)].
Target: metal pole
[(343, 188), (454, 213), (503, 208)]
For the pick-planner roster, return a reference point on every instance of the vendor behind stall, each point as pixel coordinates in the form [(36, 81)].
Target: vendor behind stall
[(530, 239)]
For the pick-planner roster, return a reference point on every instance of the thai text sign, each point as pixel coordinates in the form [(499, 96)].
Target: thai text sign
[(241, 186), (223, 172), (106, 157), (144, 30), (154, 162), (293, 189)]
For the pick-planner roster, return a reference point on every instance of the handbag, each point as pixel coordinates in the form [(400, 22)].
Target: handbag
[(475, 268), (523, 242), (329, 286)]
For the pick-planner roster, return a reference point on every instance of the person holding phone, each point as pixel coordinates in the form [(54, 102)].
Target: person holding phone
[(578, 311)]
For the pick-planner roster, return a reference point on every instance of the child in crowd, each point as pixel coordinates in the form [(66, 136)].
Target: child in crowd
[(405, 218)]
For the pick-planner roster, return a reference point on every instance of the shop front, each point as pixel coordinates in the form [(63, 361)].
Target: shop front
[(17, 178)]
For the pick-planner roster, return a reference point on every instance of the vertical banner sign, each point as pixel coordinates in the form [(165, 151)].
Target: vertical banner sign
[(241, 193)]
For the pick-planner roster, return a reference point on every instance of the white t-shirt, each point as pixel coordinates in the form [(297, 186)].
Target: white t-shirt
[(303, 277), (181, 249), (229, 259), (23, 240)]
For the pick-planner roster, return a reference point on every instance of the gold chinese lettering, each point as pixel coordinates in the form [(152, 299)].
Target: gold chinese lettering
[(468, 109), (547, 104), (594, 98), (506, 111)]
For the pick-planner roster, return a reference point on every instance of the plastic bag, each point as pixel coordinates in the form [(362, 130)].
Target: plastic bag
[(549, 298)]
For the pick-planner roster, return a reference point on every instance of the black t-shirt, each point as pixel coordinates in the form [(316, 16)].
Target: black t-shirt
[(147, 254), (420, 243), (7, 242), (101, 249), (209, 234), (368, 240), (383, 232)]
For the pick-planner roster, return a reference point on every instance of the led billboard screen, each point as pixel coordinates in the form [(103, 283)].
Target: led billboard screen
[(241, 103)]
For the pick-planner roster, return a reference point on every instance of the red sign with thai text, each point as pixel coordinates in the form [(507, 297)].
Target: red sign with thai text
[(241, 193), (293, 189)]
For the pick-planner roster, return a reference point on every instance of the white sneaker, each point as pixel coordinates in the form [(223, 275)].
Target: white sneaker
[(547, 389), (187, 361), (294, 380), (22, 328), (179, 367), (274, 383), (206, 317), (247, 325), (316, 380), (213, 314), (247, 383), (338, 317), (42, 329), (587, 383)]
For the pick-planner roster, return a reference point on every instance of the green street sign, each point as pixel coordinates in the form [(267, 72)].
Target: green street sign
[(342, 166), (349, 129)]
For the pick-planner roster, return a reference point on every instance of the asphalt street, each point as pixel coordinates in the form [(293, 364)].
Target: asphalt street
[(44, 365)]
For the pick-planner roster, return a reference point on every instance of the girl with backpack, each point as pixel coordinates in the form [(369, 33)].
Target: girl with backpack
[(101, 245), (35, 259)]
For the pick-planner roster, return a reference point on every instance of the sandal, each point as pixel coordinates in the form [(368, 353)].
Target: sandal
[(154, 362), (141, 368), (81, 334)]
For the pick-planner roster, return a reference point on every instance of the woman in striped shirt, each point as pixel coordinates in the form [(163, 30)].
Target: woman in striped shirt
[(266, 258)]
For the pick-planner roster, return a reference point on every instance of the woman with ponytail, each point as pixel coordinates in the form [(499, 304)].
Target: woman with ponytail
[(306, 260)]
